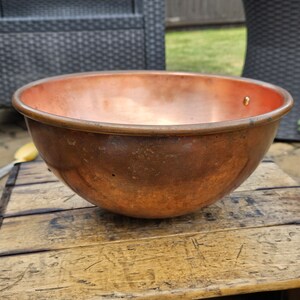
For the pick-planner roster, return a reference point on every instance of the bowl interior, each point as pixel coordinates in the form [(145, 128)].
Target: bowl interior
[(151, 98)]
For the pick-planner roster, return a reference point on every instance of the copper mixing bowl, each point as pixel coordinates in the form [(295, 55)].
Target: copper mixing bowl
[(152, 144)]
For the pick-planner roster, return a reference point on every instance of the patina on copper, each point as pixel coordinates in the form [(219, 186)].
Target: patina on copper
[(152, 144)]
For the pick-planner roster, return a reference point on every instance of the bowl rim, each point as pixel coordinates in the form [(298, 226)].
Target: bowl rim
[(139, 129)]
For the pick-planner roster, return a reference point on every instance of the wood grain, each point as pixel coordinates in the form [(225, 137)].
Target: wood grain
[(41, 198), (91, 226), (6, 192), (34, 172), (196, 265), (267, 175), (55, 196)]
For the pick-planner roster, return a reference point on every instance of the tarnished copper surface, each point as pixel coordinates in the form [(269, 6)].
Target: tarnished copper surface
[(152, 144)]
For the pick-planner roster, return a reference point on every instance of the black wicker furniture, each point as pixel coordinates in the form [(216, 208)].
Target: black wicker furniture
[(273, 52), (41, 38)]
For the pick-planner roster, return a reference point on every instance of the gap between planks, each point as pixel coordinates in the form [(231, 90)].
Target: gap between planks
[(4, 199)]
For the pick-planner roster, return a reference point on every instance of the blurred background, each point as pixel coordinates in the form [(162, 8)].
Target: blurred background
[(207, 36)]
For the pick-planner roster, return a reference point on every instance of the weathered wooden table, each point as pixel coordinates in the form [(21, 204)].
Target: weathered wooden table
[(55, 245)]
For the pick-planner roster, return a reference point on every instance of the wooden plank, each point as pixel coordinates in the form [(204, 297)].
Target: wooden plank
[(267, 175), (34, 172), (175, 267), (55, 196), (90, 226), (41, 198), (6, 193)]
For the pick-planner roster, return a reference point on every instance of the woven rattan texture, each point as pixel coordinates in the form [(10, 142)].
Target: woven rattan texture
[(40, 38), (52, 53), (74, 24), (155, 29), (66, 8), (273, 52)]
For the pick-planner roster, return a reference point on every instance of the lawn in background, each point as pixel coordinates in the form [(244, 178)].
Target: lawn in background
[(219, 51)]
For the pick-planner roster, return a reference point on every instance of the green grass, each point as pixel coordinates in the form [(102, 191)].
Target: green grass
[(219, 51)]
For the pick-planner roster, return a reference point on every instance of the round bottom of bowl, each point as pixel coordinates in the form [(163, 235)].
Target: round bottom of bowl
[(152, 177)]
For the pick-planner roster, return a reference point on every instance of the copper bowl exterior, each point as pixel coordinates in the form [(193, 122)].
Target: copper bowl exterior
[(152, 144)]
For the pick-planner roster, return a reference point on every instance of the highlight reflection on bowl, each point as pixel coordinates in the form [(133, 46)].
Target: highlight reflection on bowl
[(152, 144)]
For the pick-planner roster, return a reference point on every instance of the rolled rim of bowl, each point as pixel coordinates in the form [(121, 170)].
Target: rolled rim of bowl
[(136, 129)]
